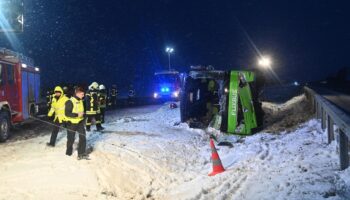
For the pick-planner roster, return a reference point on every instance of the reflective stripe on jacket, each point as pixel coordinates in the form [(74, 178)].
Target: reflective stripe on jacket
[(92, 104)]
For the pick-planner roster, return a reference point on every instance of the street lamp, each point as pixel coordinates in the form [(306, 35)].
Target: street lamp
[(169, 50), (265, 62)]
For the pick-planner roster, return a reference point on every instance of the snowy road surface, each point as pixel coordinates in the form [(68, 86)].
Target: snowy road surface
[(142, 155), (341, 100)]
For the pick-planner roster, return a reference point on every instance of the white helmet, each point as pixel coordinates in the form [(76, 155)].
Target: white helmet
[(101, 87), (94, 85)]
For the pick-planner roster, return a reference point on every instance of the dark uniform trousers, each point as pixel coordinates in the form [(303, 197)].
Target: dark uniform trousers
[(72, 129), (102, 115), (55, 130), (97, 120)]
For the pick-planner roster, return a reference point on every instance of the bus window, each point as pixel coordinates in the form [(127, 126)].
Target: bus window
[(10, 74)]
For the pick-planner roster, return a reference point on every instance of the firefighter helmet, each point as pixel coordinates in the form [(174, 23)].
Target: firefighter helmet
[(65, 89), (102, 87), (94, 85)]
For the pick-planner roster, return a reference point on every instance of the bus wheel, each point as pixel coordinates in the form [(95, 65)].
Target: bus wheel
[(4, 126)]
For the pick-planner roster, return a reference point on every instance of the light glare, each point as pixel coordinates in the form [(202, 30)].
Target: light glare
[(265, 62), (169, 50)]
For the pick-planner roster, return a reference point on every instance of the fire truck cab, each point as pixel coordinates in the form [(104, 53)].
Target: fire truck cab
[(167, 85), (19, 90)]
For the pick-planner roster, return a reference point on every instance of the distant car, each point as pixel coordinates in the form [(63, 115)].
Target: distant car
[(167, 85)]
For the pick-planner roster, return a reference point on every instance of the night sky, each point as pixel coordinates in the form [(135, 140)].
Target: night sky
[(123, 41)]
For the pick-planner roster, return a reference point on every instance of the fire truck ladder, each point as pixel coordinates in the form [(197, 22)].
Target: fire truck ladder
[(8, 55)]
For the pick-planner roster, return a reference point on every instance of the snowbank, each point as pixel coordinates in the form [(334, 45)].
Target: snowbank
[(286, 116)]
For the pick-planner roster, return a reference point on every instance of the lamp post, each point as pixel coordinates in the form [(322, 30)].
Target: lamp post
[(169, 50)]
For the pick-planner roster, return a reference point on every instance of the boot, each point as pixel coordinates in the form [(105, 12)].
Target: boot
[(99, 127), (50, 145), (83, 157)]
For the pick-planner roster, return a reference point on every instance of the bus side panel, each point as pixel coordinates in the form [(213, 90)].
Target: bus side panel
[(37, 87), (25, 93)]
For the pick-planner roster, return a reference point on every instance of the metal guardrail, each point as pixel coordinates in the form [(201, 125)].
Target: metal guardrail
[(330, 115)]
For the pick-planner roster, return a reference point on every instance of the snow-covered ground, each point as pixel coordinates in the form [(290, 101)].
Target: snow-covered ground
[(144, 155)]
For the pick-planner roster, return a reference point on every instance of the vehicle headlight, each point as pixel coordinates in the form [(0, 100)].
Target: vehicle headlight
[(176, 94), (155, 95)]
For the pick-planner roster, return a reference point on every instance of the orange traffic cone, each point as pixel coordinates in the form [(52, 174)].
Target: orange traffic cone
[(217, 165)]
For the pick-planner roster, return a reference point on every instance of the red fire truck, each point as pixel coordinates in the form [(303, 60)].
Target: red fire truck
[(19, 90)]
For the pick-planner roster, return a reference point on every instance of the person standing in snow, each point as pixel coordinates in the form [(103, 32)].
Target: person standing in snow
[(92, 107), (113, 93), (131, 95), (102, 97), (49, 97), (74, 112), (67, 91), (57, 109)]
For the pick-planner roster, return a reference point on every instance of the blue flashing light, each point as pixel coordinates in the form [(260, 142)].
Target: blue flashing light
[(164, 89)]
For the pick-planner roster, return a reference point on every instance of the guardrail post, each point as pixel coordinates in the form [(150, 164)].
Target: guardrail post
[(323, 119), (330, 129), (314, 105), (317, 110), (343, 150)]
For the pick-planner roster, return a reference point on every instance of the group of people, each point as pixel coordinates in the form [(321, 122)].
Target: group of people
[(71, 113)]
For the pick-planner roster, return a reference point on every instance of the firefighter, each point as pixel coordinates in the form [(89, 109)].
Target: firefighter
[(131, 95), (74, 113), (57, 108), (113, 92), (103, 102), (49, 96), (92, 107), (67, 91)]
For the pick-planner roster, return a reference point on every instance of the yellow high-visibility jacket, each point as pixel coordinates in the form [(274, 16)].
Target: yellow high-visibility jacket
[(74, 106), (58, 106)]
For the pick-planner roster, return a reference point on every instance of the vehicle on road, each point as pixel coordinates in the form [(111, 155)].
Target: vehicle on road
[(167, 85)]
